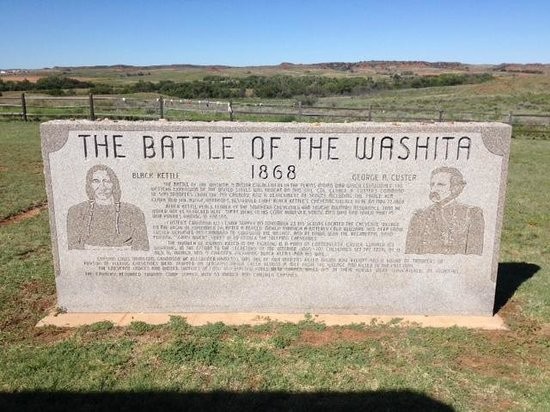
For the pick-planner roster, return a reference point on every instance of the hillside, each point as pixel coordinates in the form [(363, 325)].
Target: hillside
[(122, 73)]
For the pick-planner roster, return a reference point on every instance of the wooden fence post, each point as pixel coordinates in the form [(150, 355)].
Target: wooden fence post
[(510, 117), (370, 113), (230, 110), (441, 115), (92, 110), (300, 108), (161, 107), (23, 107)]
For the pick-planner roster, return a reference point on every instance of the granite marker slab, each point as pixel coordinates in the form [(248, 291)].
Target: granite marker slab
[(366, 218)]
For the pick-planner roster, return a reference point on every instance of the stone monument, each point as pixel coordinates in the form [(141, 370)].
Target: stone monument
[(357, 218)]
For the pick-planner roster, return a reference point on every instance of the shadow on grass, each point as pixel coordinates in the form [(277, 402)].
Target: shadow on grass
[(221, 400), (509, 278)]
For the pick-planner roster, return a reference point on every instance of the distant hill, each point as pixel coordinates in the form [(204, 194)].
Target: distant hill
[(372, 65), (124, 73)]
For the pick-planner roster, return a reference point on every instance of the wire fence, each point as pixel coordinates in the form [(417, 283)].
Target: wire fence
[(28, 107)]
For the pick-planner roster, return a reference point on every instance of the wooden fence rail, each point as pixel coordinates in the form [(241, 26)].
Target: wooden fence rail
[(29, 107)]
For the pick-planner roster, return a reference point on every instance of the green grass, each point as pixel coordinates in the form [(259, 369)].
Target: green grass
[(526, 234), (276, 365), (496, 98), (21, 174), (129, 75)]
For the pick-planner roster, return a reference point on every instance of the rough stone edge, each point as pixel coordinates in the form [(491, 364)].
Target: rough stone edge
[(373, 127), (504, 136), (51, 142), (73, 320)]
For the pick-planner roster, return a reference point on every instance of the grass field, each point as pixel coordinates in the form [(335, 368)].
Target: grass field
[(124, 75), (21, 174), (276, 365), (497, 98)]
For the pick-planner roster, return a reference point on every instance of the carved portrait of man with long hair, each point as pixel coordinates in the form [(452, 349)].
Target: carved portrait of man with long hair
[(103, 221)]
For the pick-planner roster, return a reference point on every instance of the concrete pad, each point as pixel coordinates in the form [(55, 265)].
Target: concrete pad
[(72, 320), (198, 319)]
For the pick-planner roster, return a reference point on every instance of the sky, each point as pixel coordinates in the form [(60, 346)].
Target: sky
[(37, 34)]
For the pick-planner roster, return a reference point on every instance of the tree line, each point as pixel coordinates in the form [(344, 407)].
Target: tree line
[(277, 86), (55, 85)]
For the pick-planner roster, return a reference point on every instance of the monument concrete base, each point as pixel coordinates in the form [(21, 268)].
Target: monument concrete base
[(71, 320)]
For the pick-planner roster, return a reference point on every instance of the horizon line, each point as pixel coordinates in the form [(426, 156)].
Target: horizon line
[(377, 61)]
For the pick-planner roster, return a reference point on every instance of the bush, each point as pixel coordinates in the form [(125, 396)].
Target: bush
[(59, 82), (102, 89), (53, 82), (55, 92), (306, 100)]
